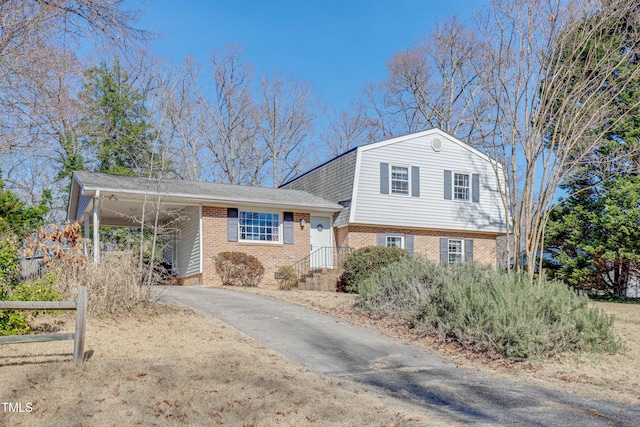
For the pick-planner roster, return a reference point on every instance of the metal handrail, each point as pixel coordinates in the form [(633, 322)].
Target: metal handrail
[(328, 257)]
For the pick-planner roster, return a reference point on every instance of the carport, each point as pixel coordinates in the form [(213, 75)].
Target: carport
[(94, 201)]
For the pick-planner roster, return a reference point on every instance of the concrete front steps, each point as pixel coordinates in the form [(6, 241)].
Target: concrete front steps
[(322, 279)]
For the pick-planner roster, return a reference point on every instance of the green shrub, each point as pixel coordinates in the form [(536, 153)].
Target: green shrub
[(400, 288), (13, 322), (42, 289), (9, 263), (362, 263), (238, 269), (287, 277), (493, 312)]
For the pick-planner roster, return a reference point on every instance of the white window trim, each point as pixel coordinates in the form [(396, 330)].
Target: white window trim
[(408, 167), (462, 252), (266, 211), (453, 186), (395, 236)]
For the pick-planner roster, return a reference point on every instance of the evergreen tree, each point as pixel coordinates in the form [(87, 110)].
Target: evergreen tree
[(594, 236), (117, 124), (69, 158), (16, 218)]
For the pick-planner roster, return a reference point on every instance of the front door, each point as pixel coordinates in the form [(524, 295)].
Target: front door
[(321, 250)]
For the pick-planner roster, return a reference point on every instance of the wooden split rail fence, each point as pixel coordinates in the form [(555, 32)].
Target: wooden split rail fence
[(80, 306)]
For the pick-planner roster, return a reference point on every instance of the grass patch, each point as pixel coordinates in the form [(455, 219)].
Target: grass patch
[(488, 311)]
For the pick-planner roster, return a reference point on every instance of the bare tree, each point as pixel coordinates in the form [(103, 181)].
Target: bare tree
[(378, 109), (347, 129), (175, 107), (287, 111), (433, 84), (554, 90), (229, 119), (36, 33)]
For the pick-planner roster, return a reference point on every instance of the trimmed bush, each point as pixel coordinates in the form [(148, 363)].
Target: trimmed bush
[(364, 262), (238, 269), (287, 277), (487, 311)]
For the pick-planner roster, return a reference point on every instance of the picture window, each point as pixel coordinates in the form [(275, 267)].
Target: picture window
[(259, 226)]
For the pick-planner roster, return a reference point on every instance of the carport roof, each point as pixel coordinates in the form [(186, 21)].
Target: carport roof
[(86, 184)]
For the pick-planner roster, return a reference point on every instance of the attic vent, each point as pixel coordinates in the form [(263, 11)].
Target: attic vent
[(436, 144)]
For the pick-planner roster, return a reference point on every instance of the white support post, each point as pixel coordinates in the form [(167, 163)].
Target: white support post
[(87, 226), (96, 228)]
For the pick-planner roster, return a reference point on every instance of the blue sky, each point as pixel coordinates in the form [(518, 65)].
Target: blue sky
[(338, 46)]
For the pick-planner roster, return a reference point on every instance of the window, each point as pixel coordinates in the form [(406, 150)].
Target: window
[(395, 242), (259, 226), (399, 180), (461, 186), (456, 253)]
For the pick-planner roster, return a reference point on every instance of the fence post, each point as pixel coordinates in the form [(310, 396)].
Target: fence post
[(81, 325)]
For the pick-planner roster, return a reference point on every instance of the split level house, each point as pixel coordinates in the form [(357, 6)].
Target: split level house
[(426, 192)]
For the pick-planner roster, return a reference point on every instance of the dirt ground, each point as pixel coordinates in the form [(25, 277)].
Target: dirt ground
[(608, 377), (164, 366)]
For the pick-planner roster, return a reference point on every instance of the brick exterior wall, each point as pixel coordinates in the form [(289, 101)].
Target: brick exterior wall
[(271, 255), (425, 242)]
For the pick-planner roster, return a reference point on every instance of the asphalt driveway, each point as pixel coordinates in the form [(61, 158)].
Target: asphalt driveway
[(335, 347)]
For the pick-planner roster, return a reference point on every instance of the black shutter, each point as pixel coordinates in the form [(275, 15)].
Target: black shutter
[(444, 250), (448, 186), (408, 243), (468, 250), (384, 178), (475, 188), (381, 239), (232, 224), (415, 181), (287, 232)]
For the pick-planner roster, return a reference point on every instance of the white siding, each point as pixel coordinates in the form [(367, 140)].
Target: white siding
[(430, 210), (188, 244), (83, 203)]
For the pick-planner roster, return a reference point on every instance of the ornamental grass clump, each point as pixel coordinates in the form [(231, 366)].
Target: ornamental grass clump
[(496, 313)]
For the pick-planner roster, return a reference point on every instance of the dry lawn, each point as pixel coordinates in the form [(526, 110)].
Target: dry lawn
[(166, 366), (601, 376)]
